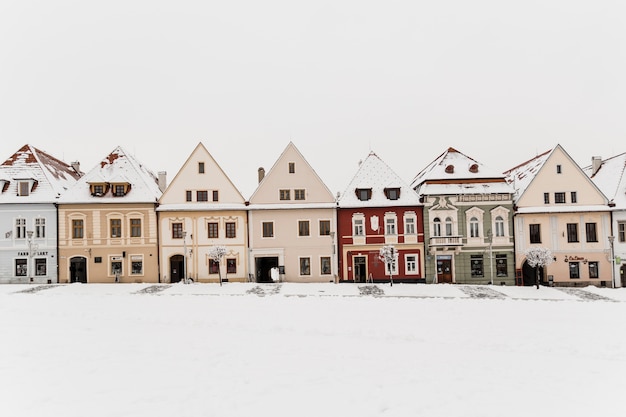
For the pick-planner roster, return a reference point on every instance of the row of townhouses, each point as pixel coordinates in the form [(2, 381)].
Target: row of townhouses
[(455, 222)]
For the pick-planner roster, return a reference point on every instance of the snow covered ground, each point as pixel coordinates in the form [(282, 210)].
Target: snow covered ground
[(311, 350)]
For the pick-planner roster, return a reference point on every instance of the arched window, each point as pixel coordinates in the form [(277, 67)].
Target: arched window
[(448, 226), (436, 226), (499, 226), (474, 227)]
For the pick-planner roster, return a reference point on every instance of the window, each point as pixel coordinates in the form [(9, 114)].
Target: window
[(499, 226), (324, 227), (298, 194), (436, 226), (357, 227), (448, 226), (268, 229), (590, 229), (40, 227), (214, 267), (135, 227), (231, 230), (24, 188), (119, 190), (409, 225), (390, 225), (410, 264), (20, 228), (574, 270), (231, 266), (177, 230), (202, 195), (187, 195), (116, 267), (474, 227), (364, 194), (535, 233), (476, 264), (325, 265), (559, 198), (558, 169), (136, 265), (213, 230), (200, 167), (116, 227), (546, 198), (303, 228), (305, 266), (621, 231), (21, 267), (77, 229), (41, 267), (216, 195), (97, 190), (392, 267), (593, 270), (392, 193), (501, 266), (572, 232), (284, 195), (573, 197), (292, 167)]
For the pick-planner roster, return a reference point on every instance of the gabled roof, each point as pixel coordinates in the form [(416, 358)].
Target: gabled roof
[(375, 175), (453, 172), (118, 166), (610, 177), (51, 175), (188, 178), (521, 176), (304, 177)]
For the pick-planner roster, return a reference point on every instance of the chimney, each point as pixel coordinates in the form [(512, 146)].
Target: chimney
[(162, 181), (596, 163), (76, 166), (261, 174)]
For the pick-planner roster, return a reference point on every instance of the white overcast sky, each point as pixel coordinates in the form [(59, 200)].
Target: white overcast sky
[(499, 80)]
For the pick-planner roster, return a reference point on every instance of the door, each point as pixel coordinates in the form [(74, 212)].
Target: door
[(177, 268), (444, 270), (622, 274), (78, 269), (360, 269), (264, 265)]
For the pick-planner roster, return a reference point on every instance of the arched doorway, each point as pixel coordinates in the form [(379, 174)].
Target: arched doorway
[(529, 275), (177, 268), (78, 269)]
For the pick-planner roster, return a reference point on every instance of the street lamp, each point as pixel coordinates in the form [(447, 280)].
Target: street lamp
[(611, 242), (184, 257), (31, 248)]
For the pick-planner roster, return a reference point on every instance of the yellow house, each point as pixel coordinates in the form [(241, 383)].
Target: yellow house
[(107, 223), (559, 208), (202, 210)]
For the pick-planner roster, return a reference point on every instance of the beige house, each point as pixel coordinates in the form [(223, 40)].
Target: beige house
[(199, 212), (292, 223), (107, 224), (558, 207)]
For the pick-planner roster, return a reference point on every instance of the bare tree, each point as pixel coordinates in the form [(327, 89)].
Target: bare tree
[(538, 257), (217, 253), (388, 255)]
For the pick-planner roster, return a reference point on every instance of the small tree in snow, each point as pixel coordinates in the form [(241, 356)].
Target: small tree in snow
[(388, 255), (217, 253), (538, 257)]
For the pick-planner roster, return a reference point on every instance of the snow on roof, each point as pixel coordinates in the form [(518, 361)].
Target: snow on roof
[(610, 178), (51, 177), (117, 167), (376, 175), (521, 176), (453, 172)]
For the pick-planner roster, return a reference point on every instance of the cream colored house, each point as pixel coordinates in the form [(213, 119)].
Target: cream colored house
[(559, 207), (107, 224), (292, 223), (199, 211)]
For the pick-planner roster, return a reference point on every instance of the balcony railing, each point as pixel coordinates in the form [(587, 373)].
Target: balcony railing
[(446, 241)]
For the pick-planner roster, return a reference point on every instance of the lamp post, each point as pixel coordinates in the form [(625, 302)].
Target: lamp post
[(332, 259), (184, 257), (31, 248), (611, 242)]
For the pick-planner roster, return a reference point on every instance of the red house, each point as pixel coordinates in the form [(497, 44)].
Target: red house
[(379, 209)]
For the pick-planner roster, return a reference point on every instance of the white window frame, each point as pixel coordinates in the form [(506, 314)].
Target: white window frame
[(391, 224), (358, 225), (410, 223), (411, 267)]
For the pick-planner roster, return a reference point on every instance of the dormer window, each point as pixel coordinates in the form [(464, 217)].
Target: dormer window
[(449, 169), (4, 185), (364, 194), (25, 187), (392, 193), (120, 189), (98, 189), (473, 168)]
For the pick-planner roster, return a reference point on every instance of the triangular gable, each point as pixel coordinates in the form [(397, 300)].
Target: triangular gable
[(377, 182), (281, 177), (558, 173), (201, 172)]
